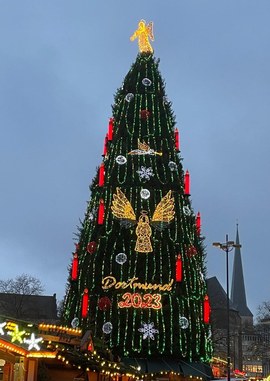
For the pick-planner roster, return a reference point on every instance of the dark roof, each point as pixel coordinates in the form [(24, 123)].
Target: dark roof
[(28, 307), (217, 295), (238, 293), (163, 364)]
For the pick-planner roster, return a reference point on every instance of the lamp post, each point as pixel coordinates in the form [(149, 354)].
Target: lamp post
[(227, 247)]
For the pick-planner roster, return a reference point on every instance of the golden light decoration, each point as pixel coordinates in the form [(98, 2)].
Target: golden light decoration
[(143, 232), (144, 33), (59, 329), (144, 149), (16, 334), (13, 348), (163, 215)]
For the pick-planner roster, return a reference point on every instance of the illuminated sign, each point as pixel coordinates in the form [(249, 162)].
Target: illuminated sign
[(110, 281), (140, 301)]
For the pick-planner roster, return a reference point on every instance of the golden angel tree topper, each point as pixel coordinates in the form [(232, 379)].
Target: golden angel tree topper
[(143, 33)]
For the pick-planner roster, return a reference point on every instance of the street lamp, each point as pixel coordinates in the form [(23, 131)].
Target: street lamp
[(227, 247)]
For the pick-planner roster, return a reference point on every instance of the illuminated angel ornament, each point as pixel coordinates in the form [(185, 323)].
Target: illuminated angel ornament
[(143, 232), (144, 149), (143, 33), (33, 342), (148, 330), (2, 325), (16, 334), (163, 215)]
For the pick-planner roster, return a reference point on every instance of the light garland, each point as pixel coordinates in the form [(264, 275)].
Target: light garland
[(59, 329)]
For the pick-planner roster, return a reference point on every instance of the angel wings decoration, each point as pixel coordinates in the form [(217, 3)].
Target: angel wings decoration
[(163, 215), (143, 33)]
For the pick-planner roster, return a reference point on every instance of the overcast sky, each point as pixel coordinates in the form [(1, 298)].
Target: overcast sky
[(61, 62)]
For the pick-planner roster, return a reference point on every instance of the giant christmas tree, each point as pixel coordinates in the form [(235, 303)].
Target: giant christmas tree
[(137, 278)]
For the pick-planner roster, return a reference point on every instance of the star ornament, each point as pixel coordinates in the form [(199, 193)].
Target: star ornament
[(2, 325), (33, 342), (148, 330), (16, 335)]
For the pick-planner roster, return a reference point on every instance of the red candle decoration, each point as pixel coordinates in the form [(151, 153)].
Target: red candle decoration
[(91, 247), (110, 129), (178, 271), (101, 211), (105, 148), (101, 176), (74, 269), (198, 223), (187, 183), (85, 302), (177, 140), (206, 310)]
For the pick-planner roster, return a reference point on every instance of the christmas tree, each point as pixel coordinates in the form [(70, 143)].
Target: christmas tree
[(137, 278)]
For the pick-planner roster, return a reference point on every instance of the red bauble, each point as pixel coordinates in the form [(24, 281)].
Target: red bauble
[(104, 303), (191, 251), (145, 114), (91, 247)]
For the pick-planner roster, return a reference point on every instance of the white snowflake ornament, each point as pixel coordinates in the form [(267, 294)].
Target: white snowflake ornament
[(148, 330), (145, 173)]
